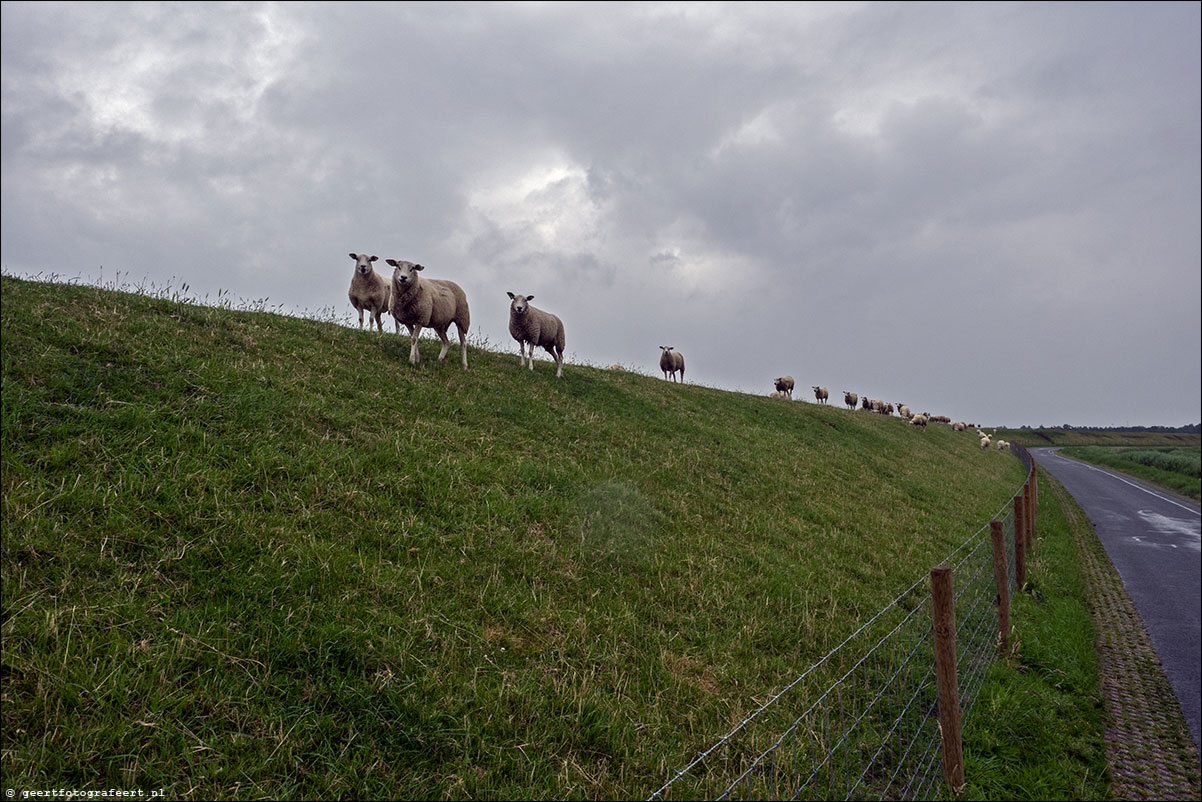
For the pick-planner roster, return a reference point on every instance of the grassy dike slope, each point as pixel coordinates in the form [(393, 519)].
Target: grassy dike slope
[(249, 555)]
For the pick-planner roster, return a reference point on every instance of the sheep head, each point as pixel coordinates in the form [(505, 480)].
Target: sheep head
[(519, 303), (363, 263), (404, 273)]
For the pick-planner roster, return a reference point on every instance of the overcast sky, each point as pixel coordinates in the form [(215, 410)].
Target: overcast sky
[(989, 211)]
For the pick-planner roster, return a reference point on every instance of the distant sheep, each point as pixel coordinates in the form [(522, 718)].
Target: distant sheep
[(959, 426), (904, 411), (1002, 445), (616, 368), (778, 394), (821, 394), (531, 325), (369, 291), (850, 399), (785, 385), (419, 302), (866, 403), (985, 442), (671, 361), (919, 420)]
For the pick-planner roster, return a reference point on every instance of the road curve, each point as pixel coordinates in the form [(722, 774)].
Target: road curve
[(1155, 543)]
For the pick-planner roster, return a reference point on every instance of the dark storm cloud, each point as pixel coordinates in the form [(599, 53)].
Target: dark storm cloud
[(896, 199)]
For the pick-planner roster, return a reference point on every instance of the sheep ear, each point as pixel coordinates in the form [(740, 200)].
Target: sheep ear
[(391, 262), (510, 294), (529, 297), (374, 258), (355, 256), (419, 267)]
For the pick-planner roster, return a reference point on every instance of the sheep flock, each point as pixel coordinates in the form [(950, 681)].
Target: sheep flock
[(419, 302)]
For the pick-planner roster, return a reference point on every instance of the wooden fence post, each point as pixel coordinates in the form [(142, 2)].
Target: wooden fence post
[(1030, 504), (943, 607), (1002, 581), (1020, 541)]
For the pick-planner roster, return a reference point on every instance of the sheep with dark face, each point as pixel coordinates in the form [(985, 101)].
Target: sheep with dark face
[(785, 385), (369, 291), (821, 394), (671, 361), (528, 324), (850, 399), (419, 302)]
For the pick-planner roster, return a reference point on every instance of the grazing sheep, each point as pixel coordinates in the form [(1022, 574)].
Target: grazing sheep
[(878, 406), (985, 441), (419, 302), (531, 325), (616, 368), (919, 420), (959, 426), (904, 411), (785, 385), (671, 361), (850, 399), (1002, 445), (821, 393), (369, 290)]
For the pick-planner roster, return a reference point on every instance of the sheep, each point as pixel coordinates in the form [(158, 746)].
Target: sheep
[(369, 290), (850, 399), (778, 394), (984, 440), (959, 426), (878, 406), (904, 411), (671, 361), (919, 420), (419, 302), (1002, 445), (821, 394), (785, 385), (616, 368), (529, 324)]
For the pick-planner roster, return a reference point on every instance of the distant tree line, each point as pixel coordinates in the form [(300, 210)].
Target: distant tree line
[(1188, 429)]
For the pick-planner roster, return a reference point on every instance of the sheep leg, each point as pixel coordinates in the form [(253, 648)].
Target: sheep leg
[(361, 318), (559, 365), (446, 344), (415, 357), (462, 345)]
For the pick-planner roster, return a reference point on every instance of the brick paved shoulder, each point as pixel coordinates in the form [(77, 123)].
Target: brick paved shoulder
[(1149, 748)]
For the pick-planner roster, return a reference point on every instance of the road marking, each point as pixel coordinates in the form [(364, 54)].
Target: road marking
[(1133, 484)]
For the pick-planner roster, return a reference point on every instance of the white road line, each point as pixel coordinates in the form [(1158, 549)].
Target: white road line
[(1124, 481)]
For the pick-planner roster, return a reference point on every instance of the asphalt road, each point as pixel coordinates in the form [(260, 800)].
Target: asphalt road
[(1154, 540)]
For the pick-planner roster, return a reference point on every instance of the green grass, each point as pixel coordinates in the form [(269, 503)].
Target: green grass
[(1175, 468), (1035, 731), (250, 555), (1037, 438)]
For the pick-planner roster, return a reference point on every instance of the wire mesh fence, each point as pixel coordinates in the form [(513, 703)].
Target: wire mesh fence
[(862, 722)]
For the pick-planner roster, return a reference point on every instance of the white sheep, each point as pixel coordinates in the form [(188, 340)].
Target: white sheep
[(850, 399), (369, 291), (985, 442), (671, 361), (959, 426), (1002, 445), (785, 385), (419, 302), (919, 420), (616, 368), (777, 394), (904, 411), (820, 393), (529, 324)]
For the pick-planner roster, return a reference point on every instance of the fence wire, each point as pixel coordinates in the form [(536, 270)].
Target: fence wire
[(872, 732)]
